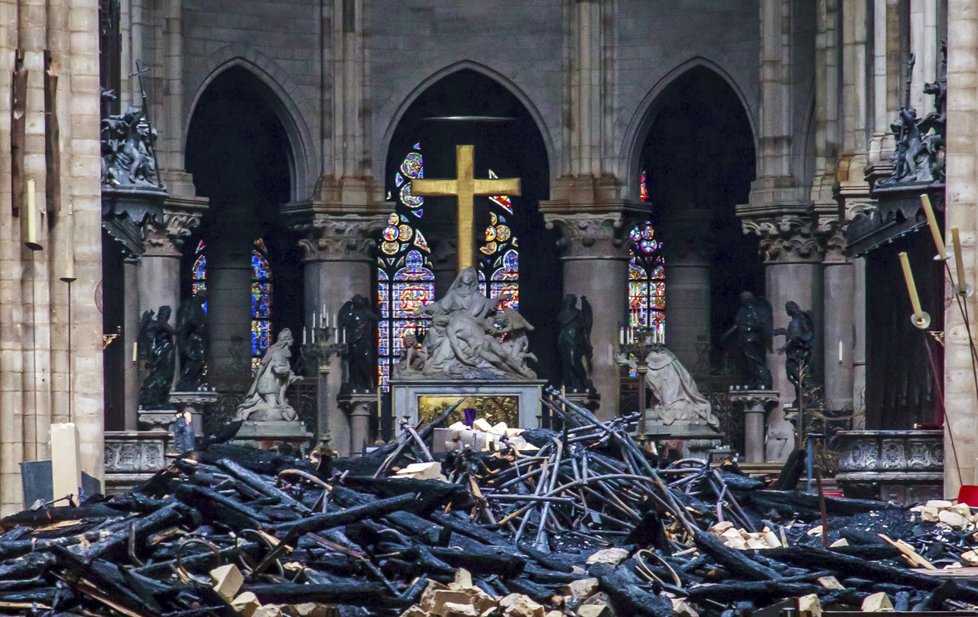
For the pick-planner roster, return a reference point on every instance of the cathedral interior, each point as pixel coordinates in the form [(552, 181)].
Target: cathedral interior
[(742, 230)]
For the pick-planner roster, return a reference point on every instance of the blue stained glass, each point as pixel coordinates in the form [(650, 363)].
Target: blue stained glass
[(259, 266)]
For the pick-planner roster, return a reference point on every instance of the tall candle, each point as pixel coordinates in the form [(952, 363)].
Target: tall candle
[(840, 352), (911, 286), (336, 335), (303, 335), (135, 351), (935, 231), (959, 260)]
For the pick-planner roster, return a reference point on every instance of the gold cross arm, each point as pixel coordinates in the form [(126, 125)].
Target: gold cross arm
[(464, 187)]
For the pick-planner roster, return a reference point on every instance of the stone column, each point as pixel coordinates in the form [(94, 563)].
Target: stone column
[(837, 328), (688, 256), (792, 257), (595, 264), (130, 338), (229, 309), (339, 262), (962, 211), (159, 268)]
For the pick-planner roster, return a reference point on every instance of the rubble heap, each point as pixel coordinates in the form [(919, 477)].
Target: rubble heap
[(582, 523)]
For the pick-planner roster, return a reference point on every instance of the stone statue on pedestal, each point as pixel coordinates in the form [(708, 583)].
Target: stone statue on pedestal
[(192, 343), (156, 338), (470, 338), (678, 400), (573, 342), (753, 326), (127, 151), (359, 325), (799, 338), (265, 399)]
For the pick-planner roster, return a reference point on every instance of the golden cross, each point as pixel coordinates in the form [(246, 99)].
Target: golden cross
[(465, 186)]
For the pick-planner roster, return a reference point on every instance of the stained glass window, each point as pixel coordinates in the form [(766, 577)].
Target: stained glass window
[(261, 303), (646, 274), (405, 281), (500, 259), (261, 295)]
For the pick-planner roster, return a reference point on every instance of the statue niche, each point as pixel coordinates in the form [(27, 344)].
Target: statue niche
[(470, 338)]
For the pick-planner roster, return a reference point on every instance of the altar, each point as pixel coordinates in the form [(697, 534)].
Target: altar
[(411, 397)]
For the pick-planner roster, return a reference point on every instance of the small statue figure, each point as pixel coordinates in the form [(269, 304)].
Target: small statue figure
[(359, 325), (412, 358), (192, 343), (753, 326), (127, 151), (677, 398), (183, 432), (799, 337), (156, 336), (265, 399), (574, 342)]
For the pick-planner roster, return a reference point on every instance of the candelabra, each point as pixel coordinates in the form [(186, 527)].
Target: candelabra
[(635, 343), (321, 343)]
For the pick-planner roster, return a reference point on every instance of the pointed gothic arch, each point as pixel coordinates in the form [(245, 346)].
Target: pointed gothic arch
[(648, 110), (304, 164), (384, 145)]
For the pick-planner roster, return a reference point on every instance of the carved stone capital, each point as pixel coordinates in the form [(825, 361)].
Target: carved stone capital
[(785, 236), (591, 236), (165, 235), (339, 237)]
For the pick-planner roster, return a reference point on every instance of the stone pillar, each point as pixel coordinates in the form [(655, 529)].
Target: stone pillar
[(839, 286), (792, 272), (962, 210), (755, 404), (339, 262), (130, 337), (229, 309), (595, 264), (159, 268), (688, 256)]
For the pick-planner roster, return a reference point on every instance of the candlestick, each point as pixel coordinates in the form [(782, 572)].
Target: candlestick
[(326, 314), (336, 335), (312, 333), (935, 231), (959, 260), (380, 398), (911, 285), (69, 257), (303, 335)]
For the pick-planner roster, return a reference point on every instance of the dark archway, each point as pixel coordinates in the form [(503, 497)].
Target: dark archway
[(699, 160), (469, 107), (240, 157)]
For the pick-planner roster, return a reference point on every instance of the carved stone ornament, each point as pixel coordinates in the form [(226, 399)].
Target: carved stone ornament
[(128, 160), (591, 235), (785, 238), (164, 236), (345, 237)]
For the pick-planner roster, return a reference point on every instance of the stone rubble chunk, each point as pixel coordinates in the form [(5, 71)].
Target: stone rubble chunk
[(422, 471), (610, 556), (455, 609), (809, 606), (227, 581), (246, 604), (519, 605), (583, 588), (877, 603), (682, 608)]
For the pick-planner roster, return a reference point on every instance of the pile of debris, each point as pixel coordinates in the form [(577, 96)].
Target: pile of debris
[(579, 522)]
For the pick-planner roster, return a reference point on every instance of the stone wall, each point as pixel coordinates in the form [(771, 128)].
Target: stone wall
[(42, 380), (962, 211)]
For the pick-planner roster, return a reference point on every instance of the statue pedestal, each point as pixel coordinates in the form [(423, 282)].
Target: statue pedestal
[(755, 404), (197, 403), (699, 440), (269, 434), (407, 395), (359, 408)]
